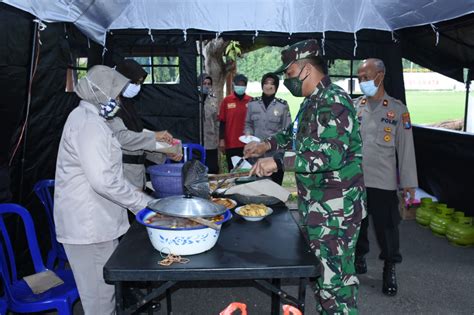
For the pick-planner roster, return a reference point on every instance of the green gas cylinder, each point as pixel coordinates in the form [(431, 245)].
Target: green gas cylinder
[(425, 211), (461, 231), (440, 220)]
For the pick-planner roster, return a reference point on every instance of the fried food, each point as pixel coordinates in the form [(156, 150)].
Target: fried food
[(226, 202), (213, 185), (253, 210)]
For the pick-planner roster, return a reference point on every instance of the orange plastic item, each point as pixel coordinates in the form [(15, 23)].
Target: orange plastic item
[(290, 310), (233, 307)]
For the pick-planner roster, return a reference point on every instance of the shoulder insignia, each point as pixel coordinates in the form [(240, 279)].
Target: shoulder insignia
[(256, 99), (406, 120), (281, 100)]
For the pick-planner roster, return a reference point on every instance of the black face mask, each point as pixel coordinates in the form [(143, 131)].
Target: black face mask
[(295, 85)]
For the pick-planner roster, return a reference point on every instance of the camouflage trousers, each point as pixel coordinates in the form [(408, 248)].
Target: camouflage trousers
[(331, 218)]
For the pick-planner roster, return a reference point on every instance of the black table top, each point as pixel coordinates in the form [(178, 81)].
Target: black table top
[(271, 248)]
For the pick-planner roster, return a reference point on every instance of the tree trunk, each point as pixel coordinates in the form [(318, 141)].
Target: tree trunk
[(456, 124), (215, 66)]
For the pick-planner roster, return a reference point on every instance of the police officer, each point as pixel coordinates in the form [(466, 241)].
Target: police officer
[(327, 161), (267, 115), (387, 136), (211, 122)]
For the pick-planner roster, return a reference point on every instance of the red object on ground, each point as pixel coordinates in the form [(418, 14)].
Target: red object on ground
[(290, 310), (232, 307)]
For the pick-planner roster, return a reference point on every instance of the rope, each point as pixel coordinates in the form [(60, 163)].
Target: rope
[(171, 259)]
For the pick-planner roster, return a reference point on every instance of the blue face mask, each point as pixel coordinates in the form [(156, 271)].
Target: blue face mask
[(239, 90), (369, 88), (204, 90)]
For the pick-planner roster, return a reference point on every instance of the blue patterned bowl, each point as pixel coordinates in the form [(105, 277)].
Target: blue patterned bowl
[(181, 241)]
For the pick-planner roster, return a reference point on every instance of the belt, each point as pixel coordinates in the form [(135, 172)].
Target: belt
[(133, 159)]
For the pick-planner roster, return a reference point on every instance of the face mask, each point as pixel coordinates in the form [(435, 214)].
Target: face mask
[(204, 90), (109, 110), (132, 90), (239, 90), (295, 85), (369, 88)]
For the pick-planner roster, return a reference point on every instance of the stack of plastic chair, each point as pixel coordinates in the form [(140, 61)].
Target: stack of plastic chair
[(57, 258), (190, 148), (18, 294)]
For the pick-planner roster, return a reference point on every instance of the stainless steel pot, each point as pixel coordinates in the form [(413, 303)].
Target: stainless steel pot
[(186, 207)]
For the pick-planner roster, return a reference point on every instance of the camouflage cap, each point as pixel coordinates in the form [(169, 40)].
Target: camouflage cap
[(298, 51)]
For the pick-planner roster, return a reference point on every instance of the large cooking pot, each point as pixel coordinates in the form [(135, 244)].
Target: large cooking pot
[(183, 240)]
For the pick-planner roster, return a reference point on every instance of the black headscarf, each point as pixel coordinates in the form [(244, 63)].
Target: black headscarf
[(133, 71), (267, 99)]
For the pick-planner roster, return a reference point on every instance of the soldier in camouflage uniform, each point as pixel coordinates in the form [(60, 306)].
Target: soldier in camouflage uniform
[(327, 161)]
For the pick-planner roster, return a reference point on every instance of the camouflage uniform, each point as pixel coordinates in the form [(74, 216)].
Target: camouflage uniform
[(331, 193)]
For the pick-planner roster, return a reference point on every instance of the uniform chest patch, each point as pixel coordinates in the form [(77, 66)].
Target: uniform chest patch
[(391, 114), (406, 120), (389, 121), (231, 105), (276, 112)]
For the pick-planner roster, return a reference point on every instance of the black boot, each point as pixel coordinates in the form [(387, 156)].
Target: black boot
[(389, 286), (360, 265)]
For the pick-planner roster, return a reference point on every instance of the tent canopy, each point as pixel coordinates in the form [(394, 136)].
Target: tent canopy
[(95, 17)]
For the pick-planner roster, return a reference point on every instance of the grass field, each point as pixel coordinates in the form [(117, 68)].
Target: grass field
[(425, 106)]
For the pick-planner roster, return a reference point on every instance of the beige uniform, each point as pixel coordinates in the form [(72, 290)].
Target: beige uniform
[(386, 135), (211, 122)]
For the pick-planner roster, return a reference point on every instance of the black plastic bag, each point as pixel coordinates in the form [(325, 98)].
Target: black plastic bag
[(195, 181)]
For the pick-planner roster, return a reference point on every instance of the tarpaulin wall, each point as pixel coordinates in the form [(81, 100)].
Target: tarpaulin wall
[(172, 107), (444, 160), (49, 108)]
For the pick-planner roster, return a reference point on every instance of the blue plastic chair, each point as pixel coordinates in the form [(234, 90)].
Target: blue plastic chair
[(190, 148), (57, 258), (19, 295)]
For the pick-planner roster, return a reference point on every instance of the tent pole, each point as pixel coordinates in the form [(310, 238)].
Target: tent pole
[(466, 105), (28, 104), (201, 101)]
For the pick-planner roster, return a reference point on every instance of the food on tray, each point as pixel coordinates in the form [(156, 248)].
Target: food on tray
[(225, 185), (253, 210), (175, 222), (226, 202)]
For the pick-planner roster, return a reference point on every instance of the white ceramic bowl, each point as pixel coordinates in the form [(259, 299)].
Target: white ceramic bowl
[(252, 218), (181, 241)]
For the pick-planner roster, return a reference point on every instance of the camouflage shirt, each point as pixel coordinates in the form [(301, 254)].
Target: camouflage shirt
[(328, 144)]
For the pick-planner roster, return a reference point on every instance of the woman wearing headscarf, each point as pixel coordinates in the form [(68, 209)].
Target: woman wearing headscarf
[(137, 144), (91, 194), (211, 122), (267, 115)]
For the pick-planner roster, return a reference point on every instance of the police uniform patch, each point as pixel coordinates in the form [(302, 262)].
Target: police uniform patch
[(231, 105), (387, 138), (385, 103), (406, 120), (387, 129), (276, 112), (391, 114)]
